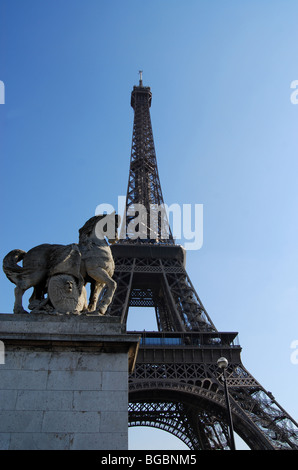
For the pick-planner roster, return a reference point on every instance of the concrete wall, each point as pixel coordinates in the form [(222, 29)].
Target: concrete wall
[(66, 392)]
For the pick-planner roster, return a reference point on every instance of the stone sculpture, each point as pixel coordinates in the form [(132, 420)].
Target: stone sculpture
[(59, 273)]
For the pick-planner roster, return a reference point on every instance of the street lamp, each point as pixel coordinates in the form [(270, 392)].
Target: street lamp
[(223, 364)]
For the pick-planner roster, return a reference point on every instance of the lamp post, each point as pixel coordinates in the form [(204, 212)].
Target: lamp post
[(223, 364)]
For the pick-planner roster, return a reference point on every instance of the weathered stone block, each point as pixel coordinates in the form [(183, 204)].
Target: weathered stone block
[(74, 380), (44, 400), (74, 421), (40, 441), (110, 400), (114, 421), (20, 420), (114, 380), (8, 398), (107, 441), (64, 384), (4, 440), (23, 379)]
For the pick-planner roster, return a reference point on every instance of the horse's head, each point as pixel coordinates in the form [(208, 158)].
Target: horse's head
[(100, 227)]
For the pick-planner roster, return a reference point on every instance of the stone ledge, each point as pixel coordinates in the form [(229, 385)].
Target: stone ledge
[(48, 331), (59, 322)]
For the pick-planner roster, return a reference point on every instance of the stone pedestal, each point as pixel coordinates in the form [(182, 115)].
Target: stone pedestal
[(64, 382)]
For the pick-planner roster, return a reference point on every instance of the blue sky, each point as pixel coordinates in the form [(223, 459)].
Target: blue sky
[(226, 136)]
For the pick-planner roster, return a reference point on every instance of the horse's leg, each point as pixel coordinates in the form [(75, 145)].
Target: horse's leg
[(95, 290), (102, 277), (37, 296), (18, 304)]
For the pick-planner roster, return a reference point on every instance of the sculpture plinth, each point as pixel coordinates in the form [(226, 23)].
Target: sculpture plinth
[(64, 383)]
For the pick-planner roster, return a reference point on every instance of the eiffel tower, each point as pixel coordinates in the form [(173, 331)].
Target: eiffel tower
[(177, 385)]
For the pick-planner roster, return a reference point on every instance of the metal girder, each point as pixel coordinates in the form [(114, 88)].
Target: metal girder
[(187, 371)]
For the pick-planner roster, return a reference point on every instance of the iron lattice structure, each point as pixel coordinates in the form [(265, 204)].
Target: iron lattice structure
[(176, 384)]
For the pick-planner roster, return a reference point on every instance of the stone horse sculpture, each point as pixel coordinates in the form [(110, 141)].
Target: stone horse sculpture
[(62, 271)]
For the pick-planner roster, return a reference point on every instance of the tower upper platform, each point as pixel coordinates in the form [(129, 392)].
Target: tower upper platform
[(141, 95)]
